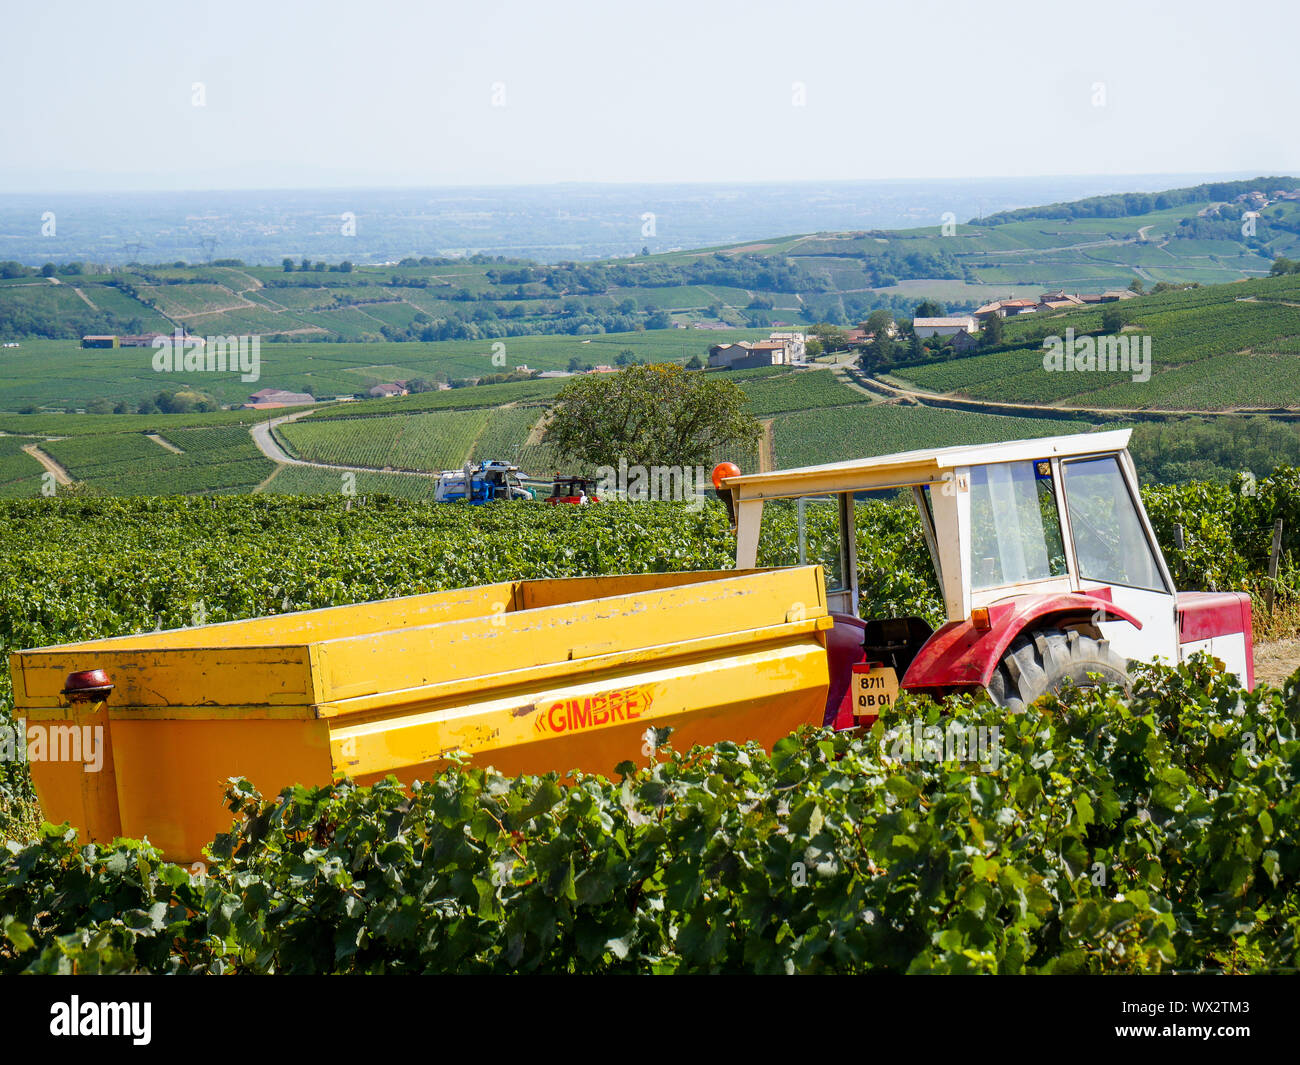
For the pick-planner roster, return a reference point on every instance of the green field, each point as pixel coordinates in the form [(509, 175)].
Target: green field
[(61, 375)]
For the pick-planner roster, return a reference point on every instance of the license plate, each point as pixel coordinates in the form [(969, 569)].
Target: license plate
[(874, 689)]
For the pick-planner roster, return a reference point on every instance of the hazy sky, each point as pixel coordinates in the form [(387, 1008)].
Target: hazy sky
[(386, 92)]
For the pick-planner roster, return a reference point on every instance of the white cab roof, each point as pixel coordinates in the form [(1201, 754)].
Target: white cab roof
[(916, 467)]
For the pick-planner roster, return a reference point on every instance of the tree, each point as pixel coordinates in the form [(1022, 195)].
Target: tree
[(812, 348), (928, 309), (345, 267), (1113, 319), (626, 357), (655, 415), (695, 363), (993, 329), (47, 270), (832, 337), (878, 322), (287, 263), (1136, 286)]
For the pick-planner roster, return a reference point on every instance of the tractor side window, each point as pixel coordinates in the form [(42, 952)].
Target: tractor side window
[(1109, 540), (803, 532), (1015, 527)]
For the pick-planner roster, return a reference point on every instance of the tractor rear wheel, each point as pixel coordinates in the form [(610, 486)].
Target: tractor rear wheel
[(1044, 660)]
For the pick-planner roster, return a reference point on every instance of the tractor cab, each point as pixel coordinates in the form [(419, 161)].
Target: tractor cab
[(1045, 560), (573, 490)]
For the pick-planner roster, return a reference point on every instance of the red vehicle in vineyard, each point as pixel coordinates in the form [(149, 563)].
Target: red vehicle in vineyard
[(573, 490), (1048, 566)]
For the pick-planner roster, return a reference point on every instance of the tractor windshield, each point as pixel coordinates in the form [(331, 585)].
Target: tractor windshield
[(1015, 527), (1109, 541)]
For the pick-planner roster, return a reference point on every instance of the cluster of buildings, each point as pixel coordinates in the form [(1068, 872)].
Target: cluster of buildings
[(140, 340), (962, 327), (779, 349), (1049, 301)]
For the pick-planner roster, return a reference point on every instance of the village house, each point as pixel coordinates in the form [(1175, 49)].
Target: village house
[(780, 349), (795, 346), (963, 342)]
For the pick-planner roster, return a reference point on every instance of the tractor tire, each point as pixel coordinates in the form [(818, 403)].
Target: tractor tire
[(1043, 660)]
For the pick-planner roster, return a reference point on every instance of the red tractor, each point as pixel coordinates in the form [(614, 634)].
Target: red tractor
[(1048, 566), (573, 490)]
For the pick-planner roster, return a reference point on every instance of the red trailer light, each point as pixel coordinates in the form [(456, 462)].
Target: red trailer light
[(89, 685)]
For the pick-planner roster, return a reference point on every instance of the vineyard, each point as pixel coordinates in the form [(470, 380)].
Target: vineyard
[(832, 855), (309, 481), (19, 473), (807, 438), (404, 442), (1212, 349), (221, 458), (780, 392)]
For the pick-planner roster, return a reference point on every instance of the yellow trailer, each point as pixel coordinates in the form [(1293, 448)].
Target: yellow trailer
[(135, 736)]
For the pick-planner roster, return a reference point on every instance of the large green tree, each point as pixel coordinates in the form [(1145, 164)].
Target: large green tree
[(653, 415)]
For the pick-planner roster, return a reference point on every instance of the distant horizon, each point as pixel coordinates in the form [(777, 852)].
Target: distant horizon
[(1200, 176), (541, 222)]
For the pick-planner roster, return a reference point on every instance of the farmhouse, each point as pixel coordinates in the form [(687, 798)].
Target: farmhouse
[(99, 342), (386, 390), (942, 327)]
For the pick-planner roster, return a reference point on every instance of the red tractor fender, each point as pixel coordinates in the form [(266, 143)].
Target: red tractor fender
[(959, 655)]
